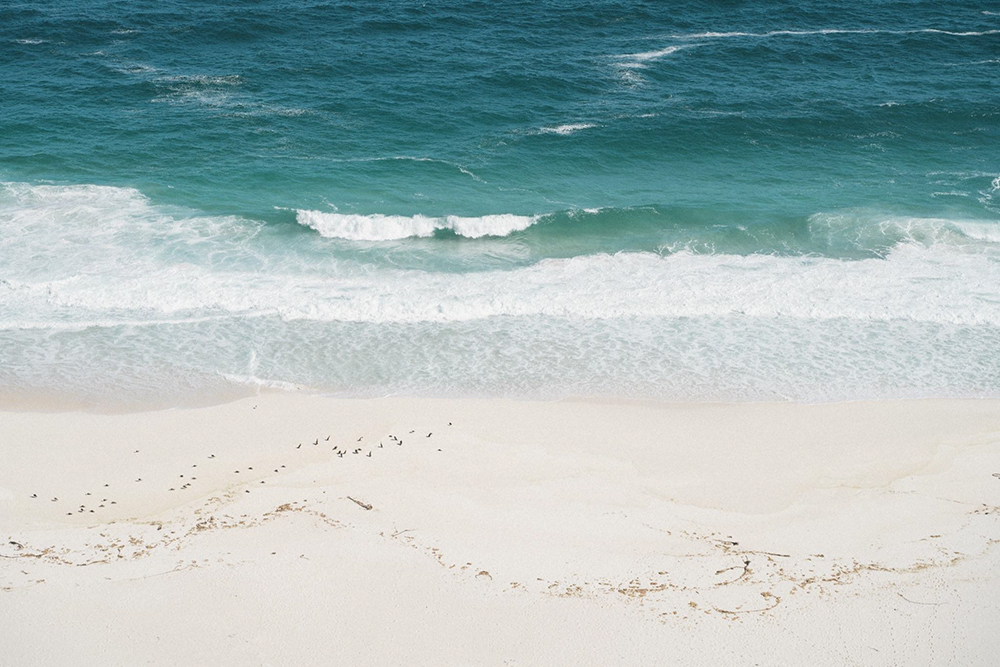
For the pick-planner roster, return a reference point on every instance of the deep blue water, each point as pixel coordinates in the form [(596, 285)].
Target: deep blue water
[(684, 200)]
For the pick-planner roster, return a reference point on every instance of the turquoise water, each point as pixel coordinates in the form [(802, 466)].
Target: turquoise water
[(691, 201)]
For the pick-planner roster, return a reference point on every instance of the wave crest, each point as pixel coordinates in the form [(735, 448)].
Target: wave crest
[(378, 227)]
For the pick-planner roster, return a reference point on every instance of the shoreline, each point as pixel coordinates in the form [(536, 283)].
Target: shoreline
[(529, 529), (50, 403)]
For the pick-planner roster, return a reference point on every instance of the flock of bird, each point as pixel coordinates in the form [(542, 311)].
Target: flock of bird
[(106, 502)]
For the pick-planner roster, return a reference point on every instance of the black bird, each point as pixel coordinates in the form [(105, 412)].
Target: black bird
[(327, 439), (54, 499), (211, 456), (449, 423), (34, 495), (411, 431), (369, 454), (399, 442), (380, 445), (316, 443), (429, 434), (359, 439), (300, 446)]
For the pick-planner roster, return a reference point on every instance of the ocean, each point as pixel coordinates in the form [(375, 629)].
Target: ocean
[(685, 201)]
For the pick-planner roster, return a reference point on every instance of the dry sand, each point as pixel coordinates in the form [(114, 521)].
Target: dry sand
[(564, 533)]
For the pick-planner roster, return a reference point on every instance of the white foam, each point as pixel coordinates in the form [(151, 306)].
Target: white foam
[(638, 59), (566, 129), (834, 31), (376, 227), (981, 231), (102, 256)]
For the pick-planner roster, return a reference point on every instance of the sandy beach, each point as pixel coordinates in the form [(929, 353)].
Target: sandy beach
[(288, 529)]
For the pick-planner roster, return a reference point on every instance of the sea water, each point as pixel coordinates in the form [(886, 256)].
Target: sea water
[(534, 199)]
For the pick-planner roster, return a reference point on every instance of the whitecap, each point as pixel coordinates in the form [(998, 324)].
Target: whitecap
[(566, 129), (377, 227), (833, 31)]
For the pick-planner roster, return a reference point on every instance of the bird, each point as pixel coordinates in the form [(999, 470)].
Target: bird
[(429, 434), (380, 445), (359, 439), (54, 499), (300, 446), (449, 423), (316, 443), (34, 495), (327, 439), (211, 456), (369, 454)]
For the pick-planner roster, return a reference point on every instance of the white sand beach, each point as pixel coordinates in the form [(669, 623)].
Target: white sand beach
[(501, 533)]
